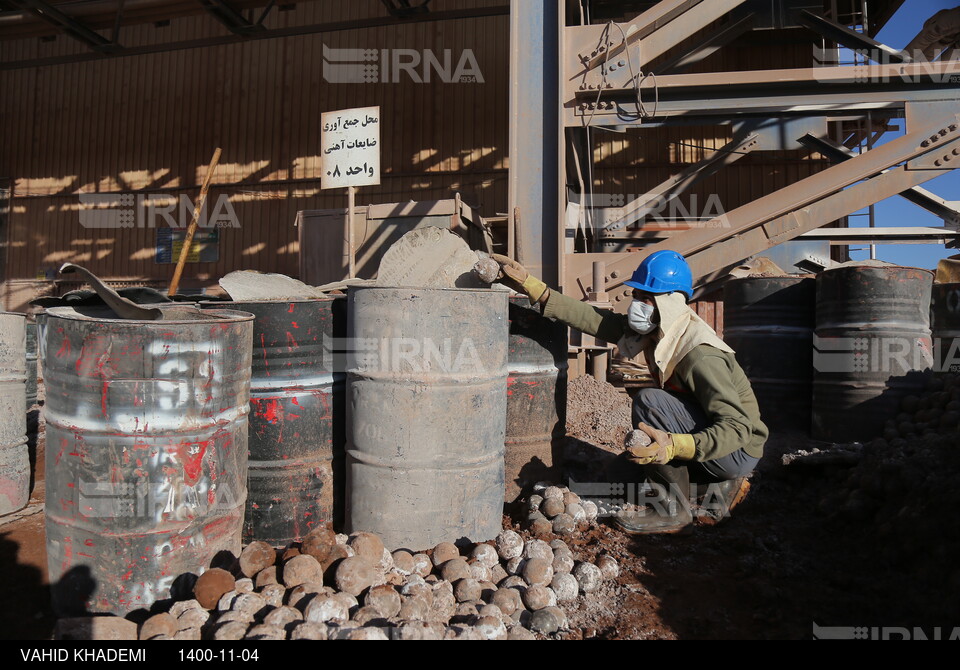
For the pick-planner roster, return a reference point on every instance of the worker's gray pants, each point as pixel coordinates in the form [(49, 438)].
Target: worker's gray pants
[(677, 413)]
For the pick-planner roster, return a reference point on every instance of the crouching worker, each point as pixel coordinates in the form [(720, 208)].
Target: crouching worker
[(703, 422)]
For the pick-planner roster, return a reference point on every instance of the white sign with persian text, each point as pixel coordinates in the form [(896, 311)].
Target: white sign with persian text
[(351, 148)]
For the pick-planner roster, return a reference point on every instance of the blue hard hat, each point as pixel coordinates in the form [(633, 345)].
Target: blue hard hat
[(663, 272)]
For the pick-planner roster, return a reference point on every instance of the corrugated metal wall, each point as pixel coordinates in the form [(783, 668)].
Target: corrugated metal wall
[(149, 124)]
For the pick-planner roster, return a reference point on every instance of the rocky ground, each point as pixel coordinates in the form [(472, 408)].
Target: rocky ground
[(849, 536)]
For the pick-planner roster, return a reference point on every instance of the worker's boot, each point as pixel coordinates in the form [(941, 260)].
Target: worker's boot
[(719, 498), (665, 505)]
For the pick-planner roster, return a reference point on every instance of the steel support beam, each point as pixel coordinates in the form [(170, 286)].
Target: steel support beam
[(740, 22), (696, 98), (535, 135), (402, 9), (836, 236), (714, 263), (659, 195), (931, 202), (658, 29), (869, 47), (70, 26), (613, 56), (781, 216), (270, 33), (234, 21), (884, 235)]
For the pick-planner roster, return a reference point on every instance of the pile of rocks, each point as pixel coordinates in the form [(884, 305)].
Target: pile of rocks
[(350, 587), (936, 412), (556, 509), (903, 488)]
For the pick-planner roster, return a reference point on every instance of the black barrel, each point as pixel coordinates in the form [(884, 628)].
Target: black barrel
[(536, 397), (769, 321), (296, 437), (946, 327), (871, 346), (146, 467)]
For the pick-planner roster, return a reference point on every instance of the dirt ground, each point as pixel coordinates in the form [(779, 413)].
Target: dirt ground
[(776, 568)]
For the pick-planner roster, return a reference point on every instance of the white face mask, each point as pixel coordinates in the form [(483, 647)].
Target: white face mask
[(638, 316)]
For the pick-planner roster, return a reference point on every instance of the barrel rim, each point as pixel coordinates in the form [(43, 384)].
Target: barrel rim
[(877, 267), (793, 278), (423, 289), (273, 301), (204, 316)]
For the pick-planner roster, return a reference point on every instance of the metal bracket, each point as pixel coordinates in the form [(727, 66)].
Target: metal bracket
[(779, 230), (935, 159), (814, 263)]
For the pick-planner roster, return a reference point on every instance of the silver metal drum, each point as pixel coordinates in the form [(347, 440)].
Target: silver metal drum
[(146, 461), (14, 459), (426, 414)]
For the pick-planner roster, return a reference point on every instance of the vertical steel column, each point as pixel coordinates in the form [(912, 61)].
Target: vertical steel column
[(534, 132), (601, 357)]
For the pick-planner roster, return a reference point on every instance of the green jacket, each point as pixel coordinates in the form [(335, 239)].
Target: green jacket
[(713, 376)]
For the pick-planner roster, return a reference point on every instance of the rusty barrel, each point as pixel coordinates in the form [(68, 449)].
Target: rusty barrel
[(769, 321), (426, 414), (872, 345), (946, 327), (146, 461), (296, 430), (14, 459), (536, 396)]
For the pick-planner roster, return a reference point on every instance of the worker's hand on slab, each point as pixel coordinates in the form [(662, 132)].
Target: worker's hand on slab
[(515, 276), (646, 445)]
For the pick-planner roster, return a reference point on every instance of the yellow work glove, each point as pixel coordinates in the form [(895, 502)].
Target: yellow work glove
[(662, 448), (515, 276)]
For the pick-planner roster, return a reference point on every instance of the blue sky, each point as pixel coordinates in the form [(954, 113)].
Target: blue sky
[(896, 211)]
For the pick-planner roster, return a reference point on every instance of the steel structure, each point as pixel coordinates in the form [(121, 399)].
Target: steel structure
[(602, 70)]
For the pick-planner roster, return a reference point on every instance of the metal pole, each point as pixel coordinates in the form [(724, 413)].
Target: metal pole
[(872, 210), (598, 271), (601, 357), (351, 205), (534, 131)]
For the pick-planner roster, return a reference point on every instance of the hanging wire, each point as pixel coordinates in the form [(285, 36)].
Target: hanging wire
[(638, 81), (605, 39)]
